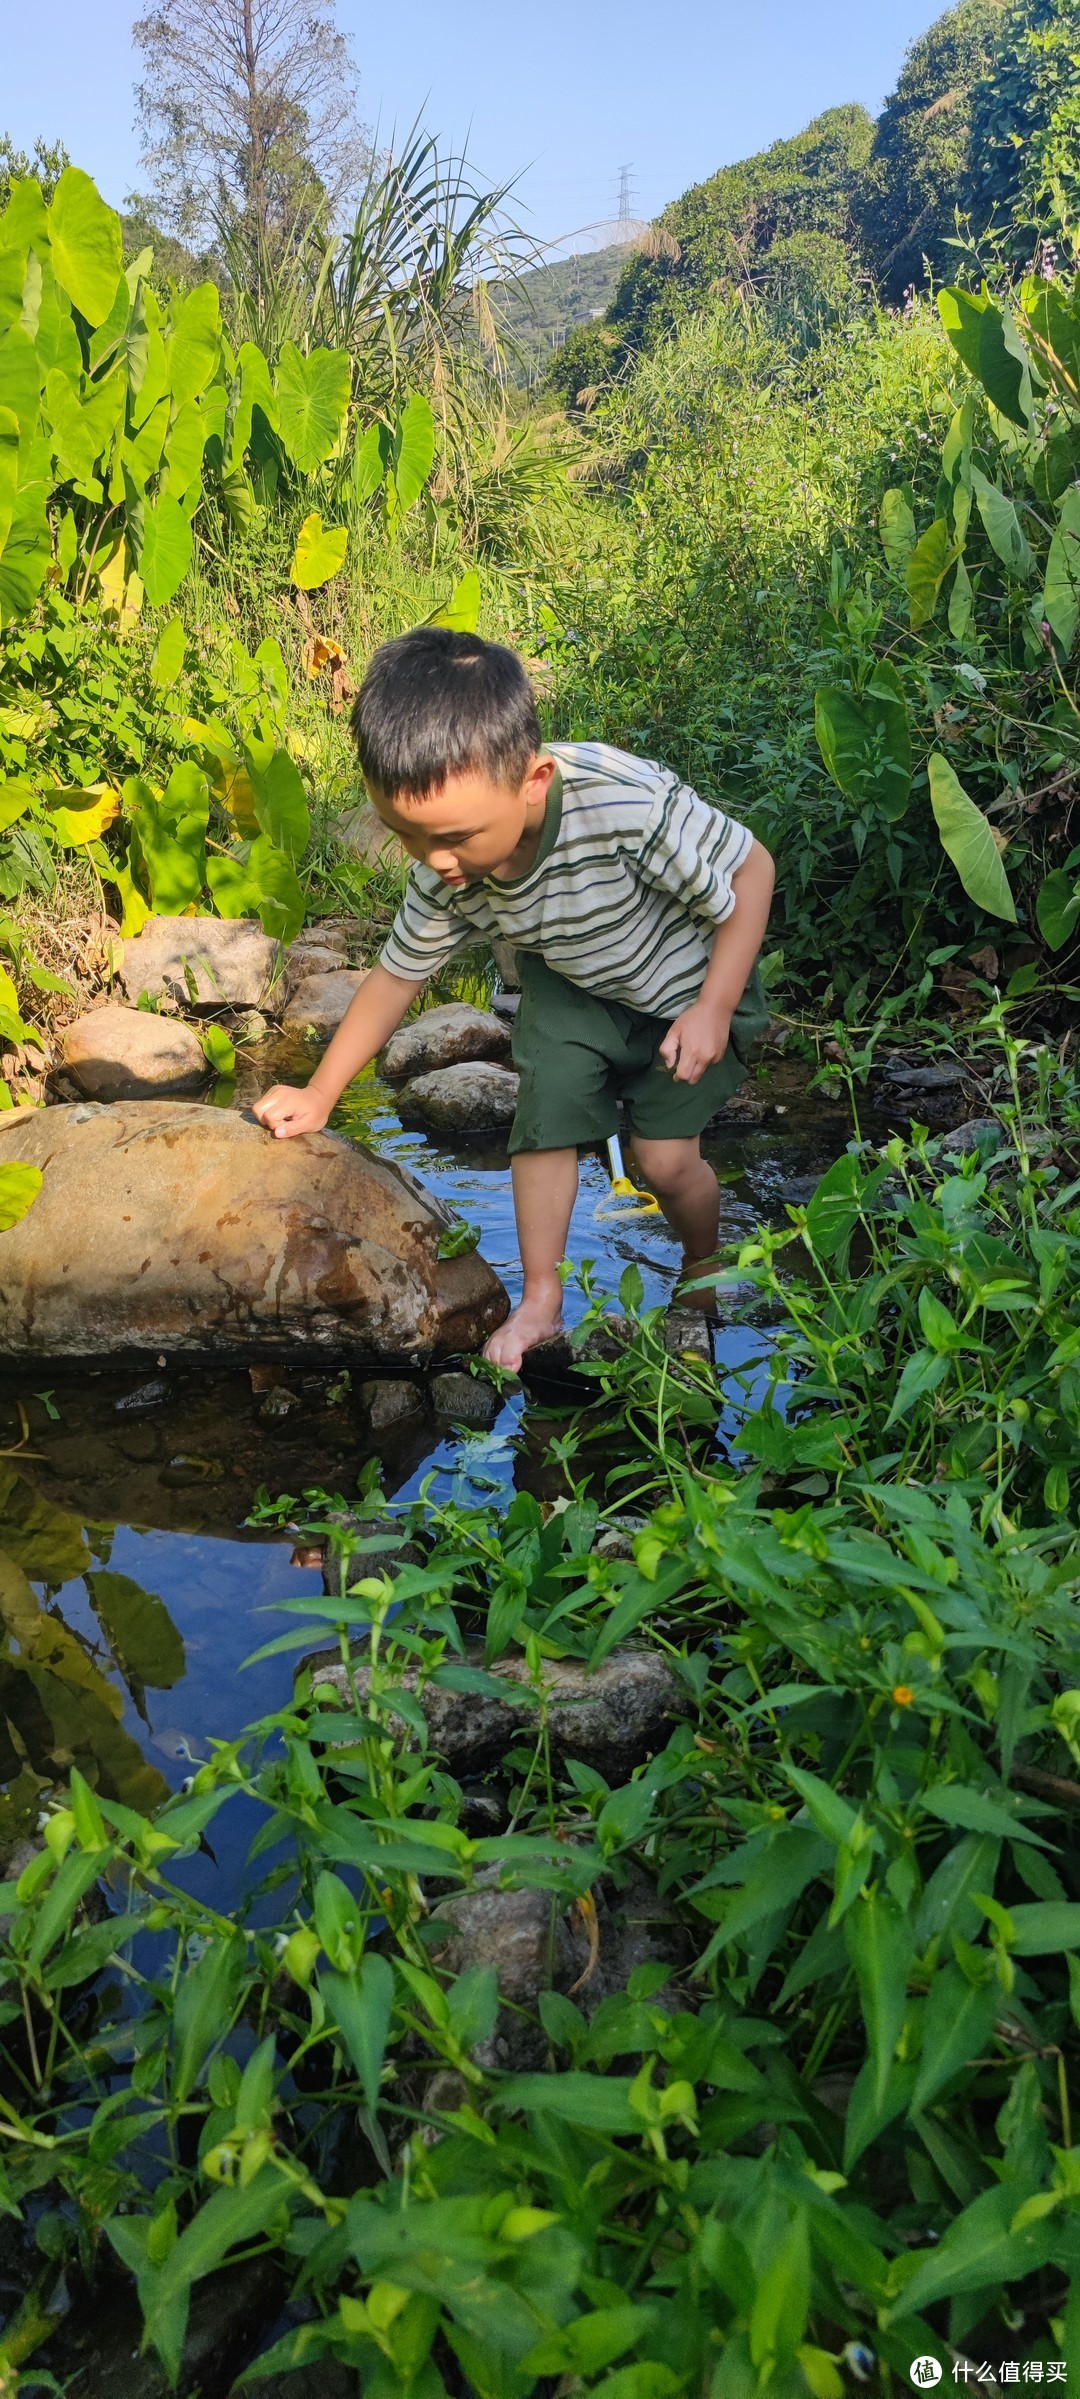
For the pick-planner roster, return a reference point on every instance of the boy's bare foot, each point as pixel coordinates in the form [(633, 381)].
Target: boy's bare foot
[(701, 1272), (538, 1317)]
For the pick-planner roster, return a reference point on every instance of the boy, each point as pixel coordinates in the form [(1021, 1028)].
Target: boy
[(637, 912)]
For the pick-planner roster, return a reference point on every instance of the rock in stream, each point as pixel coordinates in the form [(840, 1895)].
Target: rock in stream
[(172, 1226)]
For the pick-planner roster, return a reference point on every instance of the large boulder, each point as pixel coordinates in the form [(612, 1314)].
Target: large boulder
[(129, 1054), (170, 1226), (319, 1002), (202, 961), (450, 1036), (460, 1099)]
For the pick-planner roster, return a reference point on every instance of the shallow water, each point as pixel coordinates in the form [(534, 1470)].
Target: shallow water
[(125, 1507)]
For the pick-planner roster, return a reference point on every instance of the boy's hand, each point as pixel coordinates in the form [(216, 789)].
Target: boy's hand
[(286, 1110), (697, 1039)]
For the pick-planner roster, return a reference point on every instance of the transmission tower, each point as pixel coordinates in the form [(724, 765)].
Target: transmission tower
[(627, 194)]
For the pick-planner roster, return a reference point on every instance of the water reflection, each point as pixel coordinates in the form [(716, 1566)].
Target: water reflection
[(129, 1588)]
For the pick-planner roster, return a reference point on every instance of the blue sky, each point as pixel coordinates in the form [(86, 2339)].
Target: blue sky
[(562, 95)]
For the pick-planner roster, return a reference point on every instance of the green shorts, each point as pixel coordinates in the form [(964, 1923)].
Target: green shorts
[(579, 1056)]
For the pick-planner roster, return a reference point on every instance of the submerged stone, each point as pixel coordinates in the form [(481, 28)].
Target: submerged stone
[(170, 1226)]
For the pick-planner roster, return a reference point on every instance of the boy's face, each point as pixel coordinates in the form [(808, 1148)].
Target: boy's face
[(470, 827)]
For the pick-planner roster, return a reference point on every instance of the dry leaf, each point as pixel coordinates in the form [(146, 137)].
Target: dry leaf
[(584, 1910)]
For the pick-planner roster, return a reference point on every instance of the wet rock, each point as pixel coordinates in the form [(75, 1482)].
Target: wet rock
[(983, 1133), (320, 1001), (278, 1403), (441, 1037), (506, 1004), (513, 1931), (460, 1099), (688, 1334), (944, 1077), (611, 1718), (202, 961), (169, 1226), (390, 1401), (186, 1470), (130, 1054), (464, 1399)]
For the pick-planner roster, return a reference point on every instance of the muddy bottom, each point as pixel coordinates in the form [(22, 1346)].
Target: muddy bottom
[(124, 1494)]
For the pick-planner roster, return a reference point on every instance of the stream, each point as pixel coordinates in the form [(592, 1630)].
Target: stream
[(124, 1492)]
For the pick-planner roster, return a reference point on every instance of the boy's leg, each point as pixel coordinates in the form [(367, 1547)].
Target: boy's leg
[(545, 1188), (687, 1190)]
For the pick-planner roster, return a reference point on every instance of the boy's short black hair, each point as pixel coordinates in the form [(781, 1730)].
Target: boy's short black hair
[(435, 703)]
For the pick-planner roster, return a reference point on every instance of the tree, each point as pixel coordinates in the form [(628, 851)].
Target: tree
[(1026, 126), (47, 165), (919, 169), (248, 115)]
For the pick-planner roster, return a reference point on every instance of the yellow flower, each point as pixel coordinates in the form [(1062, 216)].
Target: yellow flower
[(903, 1695)]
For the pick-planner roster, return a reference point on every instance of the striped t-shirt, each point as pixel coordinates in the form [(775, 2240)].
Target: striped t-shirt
[(629, 883)]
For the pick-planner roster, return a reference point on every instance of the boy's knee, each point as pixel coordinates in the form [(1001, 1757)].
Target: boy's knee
[(668, 1167)]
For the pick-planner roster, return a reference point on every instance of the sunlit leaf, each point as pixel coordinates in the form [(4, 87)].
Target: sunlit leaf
[(86, 245), (967, 839), (319, 554), (462, 610), (19, 1187), (414, 450), (312, 397)]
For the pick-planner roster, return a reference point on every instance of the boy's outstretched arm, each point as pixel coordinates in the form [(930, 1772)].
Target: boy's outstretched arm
[(369, 1020), (699, 1037)]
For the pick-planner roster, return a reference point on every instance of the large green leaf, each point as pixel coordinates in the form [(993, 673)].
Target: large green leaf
[(279, 798), (320, 553), (370, 461), (990, 347), (1060, 604), (1057, 907), (462, 610), (165, 551), (87, 245), (1045, 1927), (414, 450), (1002, 527), (968, 841), (170, 832), (865, 741), (934, 553), (280, 903), (251, 388), (896, 525), (312, 398), (195, 347)]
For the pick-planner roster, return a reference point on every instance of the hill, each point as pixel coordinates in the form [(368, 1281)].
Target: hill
[(537, 312)]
